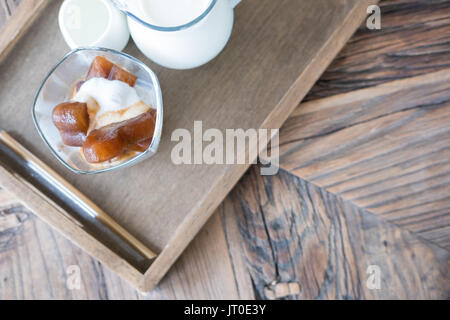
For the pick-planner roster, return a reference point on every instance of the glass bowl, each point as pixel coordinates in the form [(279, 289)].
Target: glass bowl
[(57, 88)]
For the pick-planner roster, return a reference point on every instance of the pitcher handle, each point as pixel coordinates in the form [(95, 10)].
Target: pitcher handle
[(234, 3)]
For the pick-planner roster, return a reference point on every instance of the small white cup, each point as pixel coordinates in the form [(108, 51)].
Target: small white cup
[(93, 23)]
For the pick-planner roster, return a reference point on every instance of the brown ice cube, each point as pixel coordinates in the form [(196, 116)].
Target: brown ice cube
[(141, 146), (113, 140), (103, 144), (72, 121), (118, 73), (100, 68), (103, 68)]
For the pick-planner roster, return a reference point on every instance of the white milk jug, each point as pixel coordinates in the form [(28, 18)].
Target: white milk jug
[(179, 34)]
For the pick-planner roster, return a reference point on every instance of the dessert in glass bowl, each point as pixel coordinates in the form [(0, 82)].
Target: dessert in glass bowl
[(103, 116)]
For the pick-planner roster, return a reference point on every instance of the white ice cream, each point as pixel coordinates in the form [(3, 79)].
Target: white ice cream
[(109, 101), (110, 95)]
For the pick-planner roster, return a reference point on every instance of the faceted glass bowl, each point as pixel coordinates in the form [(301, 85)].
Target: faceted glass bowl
[(57, 88)]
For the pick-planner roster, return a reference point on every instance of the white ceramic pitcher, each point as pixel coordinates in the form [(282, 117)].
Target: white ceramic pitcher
[(182, 47)]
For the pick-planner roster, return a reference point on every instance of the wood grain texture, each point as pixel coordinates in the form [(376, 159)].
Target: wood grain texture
[(414, 39), (230, 92), (262, 215), (72, 194), (34, 260), (7, 7), (14, 26), (294, 234), (53, 215), (385, 149)]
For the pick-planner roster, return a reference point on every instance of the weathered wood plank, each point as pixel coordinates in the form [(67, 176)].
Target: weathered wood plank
[(34, 260), (7, 7), (18, 23), (414, 39), (4, 13), (296, 234), (385, 149)]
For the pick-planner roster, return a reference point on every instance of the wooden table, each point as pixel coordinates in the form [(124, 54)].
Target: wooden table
[(364, 181)]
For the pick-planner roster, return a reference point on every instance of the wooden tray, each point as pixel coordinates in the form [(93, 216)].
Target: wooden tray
[(277, 51)]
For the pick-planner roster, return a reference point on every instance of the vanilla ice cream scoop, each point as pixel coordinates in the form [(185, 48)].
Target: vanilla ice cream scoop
[(111, 95), (109, 101)]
